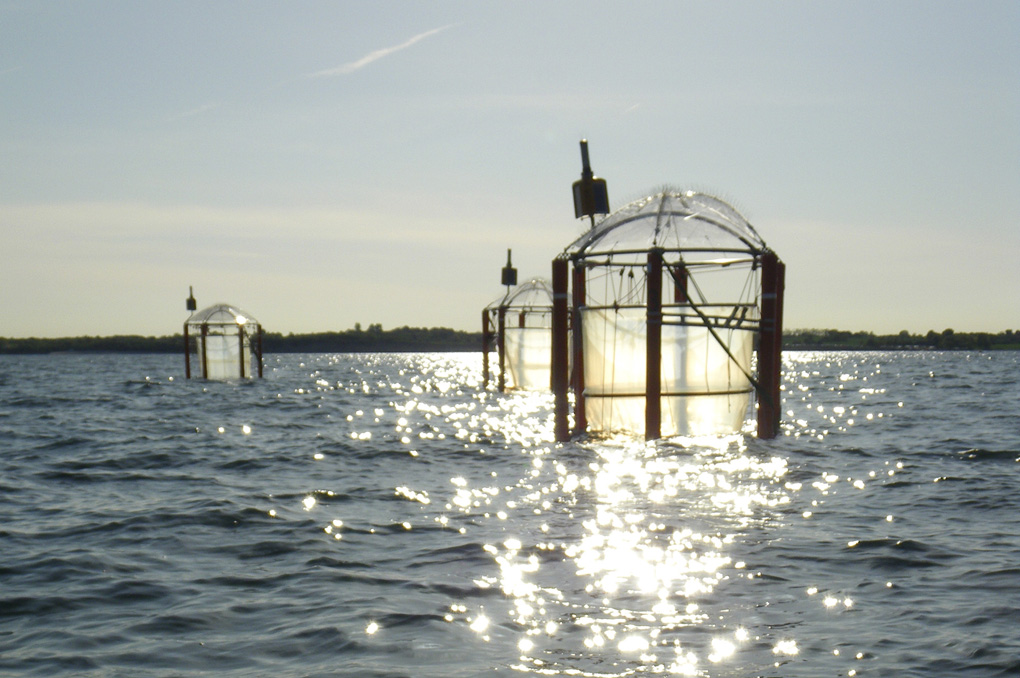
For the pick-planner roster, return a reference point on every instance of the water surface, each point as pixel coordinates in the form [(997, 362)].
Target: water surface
[(381, 515)]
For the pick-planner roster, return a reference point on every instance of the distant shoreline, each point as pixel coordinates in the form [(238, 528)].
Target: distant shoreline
[(444, 340), (374, 339)]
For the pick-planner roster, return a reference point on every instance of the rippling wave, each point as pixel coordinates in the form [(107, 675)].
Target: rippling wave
[(382, 515)]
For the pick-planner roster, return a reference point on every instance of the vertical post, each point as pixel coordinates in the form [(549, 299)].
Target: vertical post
[(778, 354), (681, 297), (501, 348), (260, 351), (187, 354), (680, 284), (773, 274), (577, 354), (205, 347), (486, 343), (240, 346), (559, 367), (653, 356)]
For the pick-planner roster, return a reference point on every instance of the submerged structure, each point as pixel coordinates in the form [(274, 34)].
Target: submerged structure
[(657, 310), (520, 324), (222, 342)]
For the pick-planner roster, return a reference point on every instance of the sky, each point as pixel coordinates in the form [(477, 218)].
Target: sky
[(322, 164)]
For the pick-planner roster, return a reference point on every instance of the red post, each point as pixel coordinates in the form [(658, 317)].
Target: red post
[(501, 348), (770, 345), (680, 284), (559, 367), (240, 346), (653, 363), (260, 351), (777, 360), (486, 343), (205, 342), (577, 338), (187, 354)]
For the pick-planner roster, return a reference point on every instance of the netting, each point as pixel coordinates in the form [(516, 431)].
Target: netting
[(704, 383), (527, 357), (709, 309), (223, 357), (527, 337)]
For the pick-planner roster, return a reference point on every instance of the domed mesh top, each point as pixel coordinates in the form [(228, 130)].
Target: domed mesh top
[(222, 314), (671, 220), (534, 293)]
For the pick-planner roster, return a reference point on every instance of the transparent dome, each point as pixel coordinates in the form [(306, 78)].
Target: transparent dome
[(222, 314), (533, 294), (224, 342), (682, 221)]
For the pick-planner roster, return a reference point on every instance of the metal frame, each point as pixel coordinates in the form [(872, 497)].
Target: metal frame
[(567, 375), (494, 326), (245, 334)]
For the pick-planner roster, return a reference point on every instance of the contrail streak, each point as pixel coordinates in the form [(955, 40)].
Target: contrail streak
[(352, 66)]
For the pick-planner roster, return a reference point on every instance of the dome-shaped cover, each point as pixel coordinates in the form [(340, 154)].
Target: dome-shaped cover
[(222, 314), (534, 293), (671, 220)]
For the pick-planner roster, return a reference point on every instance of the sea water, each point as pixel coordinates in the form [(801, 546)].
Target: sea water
[(384, 515)]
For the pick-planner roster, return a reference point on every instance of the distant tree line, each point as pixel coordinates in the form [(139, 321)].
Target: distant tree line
[(357, 340), (115, 344), (375, 339), (424, 340), (946, 340)]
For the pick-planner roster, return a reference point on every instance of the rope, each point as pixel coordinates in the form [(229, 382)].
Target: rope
[(711, 330)]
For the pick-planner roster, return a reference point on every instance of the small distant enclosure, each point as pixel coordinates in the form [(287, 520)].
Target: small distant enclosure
[(520, 325), (222, 342)]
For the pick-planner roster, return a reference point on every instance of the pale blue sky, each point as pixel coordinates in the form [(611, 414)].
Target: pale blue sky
[(327, 163)]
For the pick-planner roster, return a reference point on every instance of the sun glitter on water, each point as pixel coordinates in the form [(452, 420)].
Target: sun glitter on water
[(631, 540)]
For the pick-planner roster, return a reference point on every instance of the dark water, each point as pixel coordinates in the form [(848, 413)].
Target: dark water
[(378, 515)]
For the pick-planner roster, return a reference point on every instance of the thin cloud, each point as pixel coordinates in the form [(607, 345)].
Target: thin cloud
[(204, 108), (352, 66)]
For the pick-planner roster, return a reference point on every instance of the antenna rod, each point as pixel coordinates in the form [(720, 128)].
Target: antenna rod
[(585, 163)]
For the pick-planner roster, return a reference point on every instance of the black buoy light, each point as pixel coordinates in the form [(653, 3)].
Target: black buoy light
[(591, 196), (223, 341), (509, 277), (657, 310)]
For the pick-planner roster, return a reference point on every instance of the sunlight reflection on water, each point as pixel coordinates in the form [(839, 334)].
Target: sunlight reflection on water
[(619, 554), (852, 381), (616, 557), (633, 545)]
